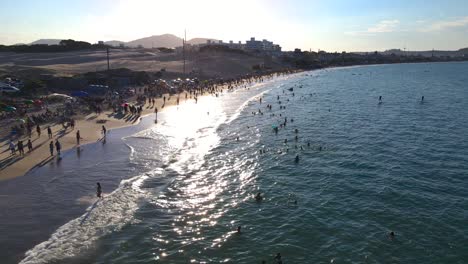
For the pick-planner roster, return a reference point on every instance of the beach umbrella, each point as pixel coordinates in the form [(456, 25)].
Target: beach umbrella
[(38, 102), (28, 102), (80, 94), (21, 120), (10, 109)]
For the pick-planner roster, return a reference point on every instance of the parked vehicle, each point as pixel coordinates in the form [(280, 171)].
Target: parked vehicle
[(6, 88)]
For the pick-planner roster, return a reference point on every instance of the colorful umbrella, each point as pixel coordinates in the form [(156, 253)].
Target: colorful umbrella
[(10, 109)]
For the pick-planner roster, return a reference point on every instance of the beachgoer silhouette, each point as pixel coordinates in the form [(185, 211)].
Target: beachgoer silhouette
[(99, 190), (49, 131), (78, 137), (51, 148), (258, 197)]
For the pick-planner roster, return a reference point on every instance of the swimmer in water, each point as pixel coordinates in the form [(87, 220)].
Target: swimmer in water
[(296, 159), (392, 235), (278, 257), (239, 229), (259, 197)]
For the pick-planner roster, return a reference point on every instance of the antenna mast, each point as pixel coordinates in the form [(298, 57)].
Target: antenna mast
[(183, 46)]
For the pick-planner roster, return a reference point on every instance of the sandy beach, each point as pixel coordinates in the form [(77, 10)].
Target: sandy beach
[(90, 127)]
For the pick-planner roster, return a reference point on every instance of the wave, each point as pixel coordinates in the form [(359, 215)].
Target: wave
[(104, 216)]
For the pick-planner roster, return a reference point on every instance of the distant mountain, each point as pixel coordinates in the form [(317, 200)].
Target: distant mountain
[(423, 53), (166, 40), (463, 51), (156, 41), (46, 41), (114, 43)]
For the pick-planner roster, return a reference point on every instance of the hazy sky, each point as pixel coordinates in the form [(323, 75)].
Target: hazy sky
[(332, 25)]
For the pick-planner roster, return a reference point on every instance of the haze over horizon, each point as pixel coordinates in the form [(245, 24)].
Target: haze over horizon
[(334, 25)]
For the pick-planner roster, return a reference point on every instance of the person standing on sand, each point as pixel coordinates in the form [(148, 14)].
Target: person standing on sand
[(51, 148), (104, 130), (49, 131), (20, 147), (78, 137), (12, 148), (58, 147), (99, 190), (38, 130), (30, 147)]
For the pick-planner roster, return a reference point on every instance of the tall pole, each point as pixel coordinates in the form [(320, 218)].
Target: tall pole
[(183, 47), (108, 64)]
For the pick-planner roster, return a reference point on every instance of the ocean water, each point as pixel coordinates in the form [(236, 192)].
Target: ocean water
[(176, 191)]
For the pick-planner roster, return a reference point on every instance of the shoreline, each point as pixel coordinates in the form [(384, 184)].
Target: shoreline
[(90, 132), (90, 129)]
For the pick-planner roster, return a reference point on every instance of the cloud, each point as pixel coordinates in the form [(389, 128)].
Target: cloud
[(447, 24), (384, 26)]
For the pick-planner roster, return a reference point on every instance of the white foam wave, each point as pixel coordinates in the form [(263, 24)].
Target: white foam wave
[(103, 217)]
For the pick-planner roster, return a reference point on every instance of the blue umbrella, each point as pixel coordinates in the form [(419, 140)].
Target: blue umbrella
[(80, 94)]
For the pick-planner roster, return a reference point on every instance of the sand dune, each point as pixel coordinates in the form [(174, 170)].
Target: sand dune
[(71, 63)]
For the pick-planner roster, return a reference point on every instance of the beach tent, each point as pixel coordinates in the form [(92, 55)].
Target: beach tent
[(80, 94)]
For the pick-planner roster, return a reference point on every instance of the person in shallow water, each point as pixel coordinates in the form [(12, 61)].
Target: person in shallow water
[(239, 229), (99, 190), (296, 159), (51, 148), (278, 258), (259, 197), (391, 235)]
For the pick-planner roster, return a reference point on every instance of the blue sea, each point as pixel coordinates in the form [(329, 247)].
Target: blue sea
[(176, 191)]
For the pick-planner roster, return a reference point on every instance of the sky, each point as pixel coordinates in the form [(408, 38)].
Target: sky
[(331, 25)]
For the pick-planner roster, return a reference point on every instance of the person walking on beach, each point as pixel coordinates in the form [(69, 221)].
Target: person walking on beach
[(20, 147), (58, 147), (78, 137), (12, 148), (38, 130), (51, 148), (99, 190), (104, 130), (30, 147), (49, 131)]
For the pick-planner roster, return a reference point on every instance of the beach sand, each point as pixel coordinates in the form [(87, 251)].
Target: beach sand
[(90, 127)]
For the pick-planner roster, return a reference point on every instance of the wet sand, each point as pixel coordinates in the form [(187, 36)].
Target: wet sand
[(90, 127)]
